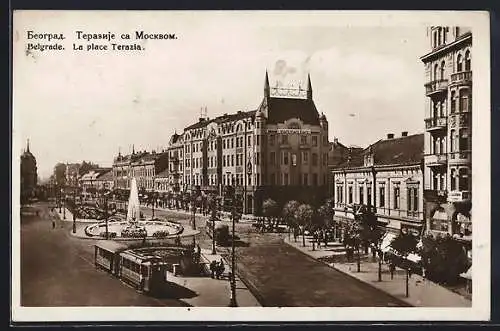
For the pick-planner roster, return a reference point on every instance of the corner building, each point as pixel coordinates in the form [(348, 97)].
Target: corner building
[(278, 151), (448, 135)]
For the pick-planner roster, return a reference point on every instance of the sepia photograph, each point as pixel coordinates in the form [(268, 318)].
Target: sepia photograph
[(250, 166)]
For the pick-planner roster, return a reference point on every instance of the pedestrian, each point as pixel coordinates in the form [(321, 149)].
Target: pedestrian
[(392, 268), (53, 224), (213, 266)]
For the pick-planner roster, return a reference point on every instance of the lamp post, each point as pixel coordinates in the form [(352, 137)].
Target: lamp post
[(64, 206), (234, 215), (74, 209), (105, 202)]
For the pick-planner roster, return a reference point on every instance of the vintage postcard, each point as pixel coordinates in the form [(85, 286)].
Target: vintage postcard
[(250, 166)]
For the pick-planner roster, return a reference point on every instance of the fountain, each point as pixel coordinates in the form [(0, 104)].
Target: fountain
[(132, 227)]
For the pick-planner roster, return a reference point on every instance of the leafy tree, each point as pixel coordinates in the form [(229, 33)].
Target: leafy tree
[(270, 209), (304, 216), (289, 214), (405, 244), (443, 258), (86, 167), (325, 212)]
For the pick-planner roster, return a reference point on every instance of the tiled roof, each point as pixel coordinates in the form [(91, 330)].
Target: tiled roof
[(401, 150), (396, 151), (282, 109), (221, 119)]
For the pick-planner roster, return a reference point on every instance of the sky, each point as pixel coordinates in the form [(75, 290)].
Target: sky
[(367, 78)]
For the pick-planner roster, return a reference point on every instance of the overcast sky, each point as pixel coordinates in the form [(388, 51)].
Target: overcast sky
[(76, 106)]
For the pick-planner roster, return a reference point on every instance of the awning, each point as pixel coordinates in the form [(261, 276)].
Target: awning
[(413, 257), (440, 215), (467, 274), (386, 242)]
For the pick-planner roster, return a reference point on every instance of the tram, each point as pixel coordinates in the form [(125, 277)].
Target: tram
[(107, 255)]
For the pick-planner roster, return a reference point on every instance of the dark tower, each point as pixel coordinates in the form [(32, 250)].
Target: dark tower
[(309, 88), (267, 90)]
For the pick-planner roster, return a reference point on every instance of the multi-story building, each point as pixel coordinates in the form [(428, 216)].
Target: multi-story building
[(72, 174), (96, 179), (278, 151), (448, 136), (388, 176), (29, 176), (144, 166)]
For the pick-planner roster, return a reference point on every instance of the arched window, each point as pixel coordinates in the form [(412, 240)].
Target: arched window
[(436, 146), (442, 110), (459, 63), (442, 70), (442, 144), (452, 141), (467, 61), (463, 140), (453, 107), (436, 70)]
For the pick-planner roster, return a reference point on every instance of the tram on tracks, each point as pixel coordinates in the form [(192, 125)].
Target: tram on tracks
[(145, 272)]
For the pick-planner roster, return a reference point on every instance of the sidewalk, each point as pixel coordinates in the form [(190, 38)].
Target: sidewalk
[(422, 292), (210, 292)]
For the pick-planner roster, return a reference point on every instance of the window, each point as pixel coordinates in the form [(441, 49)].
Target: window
[(315, 141), (237, 142), (305, 157), (463, 179), (453, 179), (315, 179), (453, 107), (285, 158), (314, 159), (303, 140), (453, 143), (463, 141), (467, 61), (464, 101), (249, 141), (224, 143), (396, 197), (272, 158), (271, 140), (232, 142), (284, 139), (294, 159), (381, 201), (350, 194), (436, 71), (232, 160), (258, 141), (459, 63), (412, 200), (305, 179), (369, 196), (361, 195), (285, 179), (273, 179), (257, 158)]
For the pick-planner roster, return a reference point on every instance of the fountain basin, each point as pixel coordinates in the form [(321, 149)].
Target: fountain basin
[(155, 228)]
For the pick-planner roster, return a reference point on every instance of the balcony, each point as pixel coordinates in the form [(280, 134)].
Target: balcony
[(461, 78), (461, 157), (435, 160), (435, 195), (459, 196), (436, 86), (462, 120), (435, 123)]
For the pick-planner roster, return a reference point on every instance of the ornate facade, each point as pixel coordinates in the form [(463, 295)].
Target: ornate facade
[(448, 136)]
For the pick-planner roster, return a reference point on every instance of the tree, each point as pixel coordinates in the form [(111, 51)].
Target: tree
[(289, 214), (86, 167), (325, 212), (270, 209), (443, 258), (405, 244), (304, 217)]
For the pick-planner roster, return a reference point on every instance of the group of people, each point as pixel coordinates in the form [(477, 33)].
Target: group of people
[(217, 269)]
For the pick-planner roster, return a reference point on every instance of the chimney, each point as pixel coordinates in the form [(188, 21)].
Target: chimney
[(335, 140), (404, 134), (390, 135)]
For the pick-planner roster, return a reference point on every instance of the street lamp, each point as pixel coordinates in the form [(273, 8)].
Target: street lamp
[(64, 206), (74, 209), (234, 215), (105, 202)]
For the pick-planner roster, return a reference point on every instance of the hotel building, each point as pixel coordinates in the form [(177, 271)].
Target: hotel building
[(448, 132)]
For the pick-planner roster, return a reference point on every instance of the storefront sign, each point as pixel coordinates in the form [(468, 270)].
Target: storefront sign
[(291, 131)]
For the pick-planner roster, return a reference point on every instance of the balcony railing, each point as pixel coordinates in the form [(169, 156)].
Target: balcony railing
[(436, 86), (463, 77), (460, 157), (433, 160), (459, 196), (434, 123)]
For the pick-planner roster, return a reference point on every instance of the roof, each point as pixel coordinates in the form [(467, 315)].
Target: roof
[(282, 109), (401, 150), (221, 119), (108, 175), (164, 173), (395, 151)]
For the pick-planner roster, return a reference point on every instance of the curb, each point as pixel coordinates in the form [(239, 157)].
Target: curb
[(407, 304)]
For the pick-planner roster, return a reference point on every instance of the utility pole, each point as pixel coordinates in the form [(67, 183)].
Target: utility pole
[(105, 200), (234, 214)]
